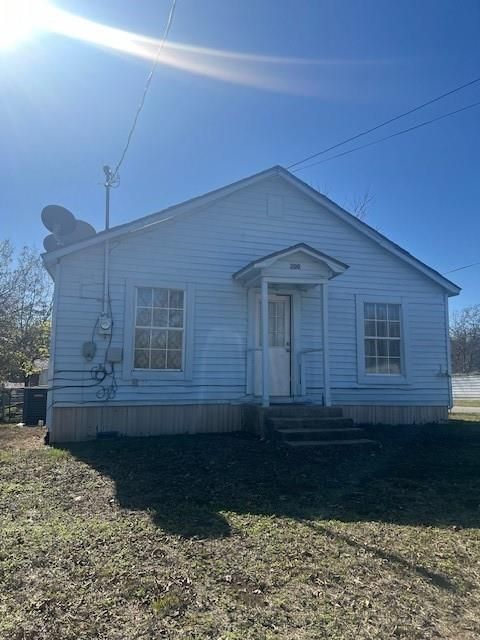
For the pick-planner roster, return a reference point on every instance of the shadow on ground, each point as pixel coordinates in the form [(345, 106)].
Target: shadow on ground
[(416, 475)]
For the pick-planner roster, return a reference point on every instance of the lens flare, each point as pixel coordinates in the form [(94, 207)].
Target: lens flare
[(19, 19)]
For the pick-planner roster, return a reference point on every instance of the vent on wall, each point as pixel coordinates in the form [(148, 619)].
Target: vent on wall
[(274, 206), (65, 228)]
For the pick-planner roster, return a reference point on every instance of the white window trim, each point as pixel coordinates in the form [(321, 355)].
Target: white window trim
[(379, 378), (129, 372)]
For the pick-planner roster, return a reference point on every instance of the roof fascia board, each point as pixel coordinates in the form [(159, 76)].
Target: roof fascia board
[(165, 215), (172, 212), (377, 237), (334, 265)]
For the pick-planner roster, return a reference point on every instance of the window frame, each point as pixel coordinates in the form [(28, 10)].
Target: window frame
[(129, 370), (382, 378)]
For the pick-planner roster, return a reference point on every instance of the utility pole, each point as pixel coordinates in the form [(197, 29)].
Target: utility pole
[(110, 179), (105, 321)]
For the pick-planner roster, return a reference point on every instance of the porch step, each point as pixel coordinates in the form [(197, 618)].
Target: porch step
[(309, 422), (328, 443), (318, 434), (301, 410), (309, 426)]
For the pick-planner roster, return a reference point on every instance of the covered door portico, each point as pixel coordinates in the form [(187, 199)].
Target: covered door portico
[(284, 274)]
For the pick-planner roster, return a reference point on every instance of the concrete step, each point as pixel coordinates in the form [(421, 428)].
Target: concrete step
[(319, 434), (328, 443), (301, 410), (309, 422)]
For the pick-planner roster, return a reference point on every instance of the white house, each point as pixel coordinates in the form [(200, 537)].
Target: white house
[(158, 323)]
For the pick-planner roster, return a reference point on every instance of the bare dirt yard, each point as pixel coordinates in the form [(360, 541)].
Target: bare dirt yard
[(229, 538)]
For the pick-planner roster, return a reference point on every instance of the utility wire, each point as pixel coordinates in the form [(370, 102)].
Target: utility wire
[(171, 14), (467, 266), (383, 124), (392, 135)]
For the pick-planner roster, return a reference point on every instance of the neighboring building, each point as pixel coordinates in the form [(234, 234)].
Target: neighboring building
[(177, 344), (466, 387), (41, 378)]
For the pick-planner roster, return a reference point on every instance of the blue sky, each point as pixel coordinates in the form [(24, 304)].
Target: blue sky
[(66, 106)]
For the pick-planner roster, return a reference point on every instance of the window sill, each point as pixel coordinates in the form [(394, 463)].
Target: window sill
[(158, 374), (378, 378)]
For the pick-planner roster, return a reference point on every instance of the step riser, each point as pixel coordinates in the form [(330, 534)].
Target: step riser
[(331, 443), (309, 423), (287, 411), (321, 435)]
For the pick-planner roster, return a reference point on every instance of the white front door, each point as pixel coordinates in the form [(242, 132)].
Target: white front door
[(279, 346)]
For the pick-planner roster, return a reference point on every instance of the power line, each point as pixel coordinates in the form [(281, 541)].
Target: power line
[(392, 135), (383, 124), (467, 266), (114, 173)]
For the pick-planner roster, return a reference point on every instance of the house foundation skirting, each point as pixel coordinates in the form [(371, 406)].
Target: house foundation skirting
[(79, 423), (376, 414), (86, 422)]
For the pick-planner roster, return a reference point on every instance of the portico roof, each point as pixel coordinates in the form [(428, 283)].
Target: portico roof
[(307, 265)]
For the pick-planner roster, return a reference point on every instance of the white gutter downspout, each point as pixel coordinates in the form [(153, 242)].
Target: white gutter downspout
[(106, 255), (326, 363), (449, 355), (106, 266), (265, 345), (51, 362)]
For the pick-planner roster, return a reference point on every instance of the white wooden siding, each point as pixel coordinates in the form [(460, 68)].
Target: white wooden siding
[(204, 249)]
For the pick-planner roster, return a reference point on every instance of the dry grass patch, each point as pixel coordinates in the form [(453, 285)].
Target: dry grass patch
[(468, 402), (225, 537)]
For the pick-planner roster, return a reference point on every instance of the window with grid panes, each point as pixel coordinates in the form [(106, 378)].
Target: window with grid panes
[(159, 328), (382, 335)]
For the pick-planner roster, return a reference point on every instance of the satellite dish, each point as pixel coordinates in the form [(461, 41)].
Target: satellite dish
[(50, 243), (82, 231), (58, 220)]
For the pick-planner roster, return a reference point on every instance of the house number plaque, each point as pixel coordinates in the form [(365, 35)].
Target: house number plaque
[(295, 266)]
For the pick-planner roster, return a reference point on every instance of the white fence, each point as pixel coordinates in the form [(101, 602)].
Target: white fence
[(466, 386)]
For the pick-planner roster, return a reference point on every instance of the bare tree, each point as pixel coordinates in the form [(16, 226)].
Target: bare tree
[(25, 308), (360, 205), (465, 340)]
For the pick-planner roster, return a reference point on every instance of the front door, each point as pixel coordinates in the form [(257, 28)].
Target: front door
[(279, 339)]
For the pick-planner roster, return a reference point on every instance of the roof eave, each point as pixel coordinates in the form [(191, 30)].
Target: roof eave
[(451, 288)]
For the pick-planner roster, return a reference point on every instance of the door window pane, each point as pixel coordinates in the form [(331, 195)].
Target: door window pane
[(277, 323)]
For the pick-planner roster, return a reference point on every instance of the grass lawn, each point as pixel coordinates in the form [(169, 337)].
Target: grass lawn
[(228, 538), (472, 402)]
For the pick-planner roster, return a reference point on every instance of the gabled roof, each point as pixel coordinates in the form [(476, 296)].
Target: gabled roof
[(142, 224), (335, 266)]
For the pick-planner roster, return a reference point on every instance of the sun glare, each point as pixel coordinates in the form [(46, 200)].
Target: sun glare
[(22, 20), (19, 20)]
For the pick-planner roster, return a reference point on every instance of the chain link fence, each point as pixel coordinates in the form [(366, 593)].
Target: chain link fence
[(11, 404)]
